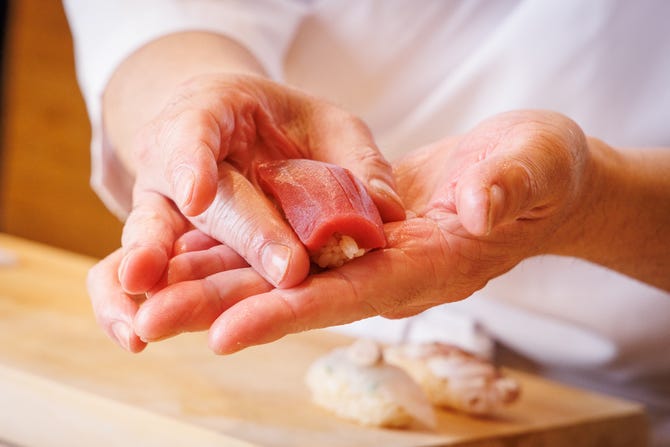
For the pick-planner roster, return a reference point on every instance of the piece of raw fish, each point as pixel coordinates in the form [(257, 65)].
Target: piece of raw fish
[(327, 207)]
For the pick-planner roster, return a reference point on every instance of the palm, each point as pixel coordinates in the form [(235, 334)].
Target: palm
[(453, 262)]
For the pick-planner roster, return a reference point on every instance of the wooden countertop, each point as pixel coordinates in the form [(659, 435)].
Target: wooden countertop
[(62, 383)]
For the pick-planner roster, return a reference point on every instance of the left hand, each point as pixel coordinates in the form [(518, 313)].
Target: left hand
[(479, 204)]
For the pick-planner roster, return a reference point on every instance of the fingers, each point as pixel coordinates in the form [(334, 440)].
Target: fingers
[(114, 310), (383, 193), (148, 237), (327, 133), (193, 305), (269, 316), (340, 138), (194, 240), (368, 165), (248, 223), (200, 264), (176, 155), (342, 295)]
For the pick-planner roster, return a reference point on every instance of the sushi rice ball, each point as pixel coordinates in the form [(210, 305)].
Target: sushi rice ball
[(355, 383)]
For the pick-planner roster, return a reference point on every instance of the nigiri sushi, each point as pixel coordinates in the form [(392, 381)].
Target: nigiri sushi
[(355, 383), (454, 378), (327, 207)]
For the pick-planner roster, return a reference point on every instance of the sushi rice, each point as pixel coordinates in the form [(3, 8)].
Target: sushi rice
[(339, 249)]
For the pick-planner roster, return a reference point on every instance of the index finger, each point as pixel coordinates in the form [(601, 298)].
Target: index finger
[(246, 221)]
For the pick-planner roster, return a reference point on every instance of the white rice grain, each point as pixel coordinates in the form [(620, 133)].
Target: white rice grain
[(339, 249)]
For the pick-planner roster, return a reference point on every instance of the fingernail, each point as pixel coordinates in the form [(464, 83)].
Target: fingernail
[(184, 182), (385, 189), (121, 332), (275, 258), (123, 266), (496, 206)]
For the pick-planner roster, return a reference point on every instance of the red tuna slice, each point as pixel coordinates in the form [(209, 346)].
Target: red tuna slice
[(321, 201)]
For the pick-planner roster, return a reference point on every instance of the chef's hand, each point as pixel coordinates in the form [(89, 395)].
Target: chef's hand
[(478, 204), (208, 141), (194, 167)]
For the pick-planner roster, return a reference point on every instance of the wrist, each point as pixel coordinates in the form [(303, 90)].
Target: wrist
[(587, 215), (621, 220)]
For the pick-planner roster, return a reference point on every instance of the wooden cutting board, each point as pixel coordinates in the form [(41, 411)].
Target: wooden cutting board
[(62, 383)]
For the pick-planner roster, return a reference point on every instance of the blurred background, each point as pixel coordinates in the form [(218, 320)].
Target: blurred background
[(44, 133)]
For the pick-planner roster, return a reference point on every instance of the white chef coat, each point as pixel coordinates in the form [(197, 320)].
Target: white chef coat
[(417, 71)]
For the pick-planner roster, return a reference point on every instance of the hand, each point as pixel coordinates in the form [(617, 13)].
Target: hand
[(194, 166), (212, 135), (479, 204)]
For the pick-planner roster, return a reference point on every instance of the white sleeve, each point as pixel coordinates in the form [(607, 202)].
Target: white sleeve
[(105, 32)]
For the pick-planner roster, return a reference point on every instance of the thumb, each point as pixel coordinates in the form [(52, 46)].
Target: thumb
[(506, 187)]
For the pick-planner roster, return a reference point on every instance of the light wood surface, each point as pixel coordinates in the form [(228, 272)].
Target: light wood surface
[(44, 168), (62, 383)]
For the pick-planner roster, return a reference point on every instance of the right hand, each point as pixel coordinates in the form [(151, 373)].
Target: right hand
[(194, 167)]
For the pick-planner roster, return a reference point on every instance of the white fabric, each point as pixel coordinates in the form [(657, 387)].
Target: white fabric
[(418, 71)]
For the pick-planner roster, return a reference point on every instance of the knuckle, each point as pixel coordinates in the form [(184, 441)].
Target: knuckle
[(293, 323), (174, 138)]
